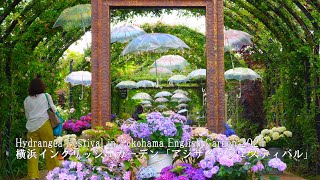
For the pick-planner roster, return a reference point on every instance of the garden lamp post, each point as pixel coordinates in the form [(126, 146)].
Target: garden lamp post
[(70, 86)]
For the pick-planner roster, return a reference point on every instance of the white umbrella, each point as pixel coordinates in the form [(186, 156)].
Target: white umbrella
[(126, 85), (160, 70), (241, 73), (182, 111), (155, 42), (142, 95), (147, 105), (168, 112), (176, 79), (171, 62), (125, 33), (79, 77), (174, 99), (197, 74), (161, 100), (145, 102), (161, 107), (184, 100), (182, 106), (145, 83), (178, 96), (181, 91), (235, 40), (163, 94)]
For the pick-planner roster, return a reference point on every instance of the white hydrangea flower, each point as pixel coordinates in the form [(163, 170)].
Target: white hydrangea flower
[(275, 136), (267, 138), (58, 140), (258, 139), (200, 131), (242, 140), (73, 136), (281, 136), (287, 133), (274, 129), (233, 138), (262, 143), (264, 132), (281, 129)]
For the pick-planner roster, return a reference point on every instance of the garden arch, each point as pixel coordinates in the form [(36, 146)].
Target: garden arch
[(101, 80)]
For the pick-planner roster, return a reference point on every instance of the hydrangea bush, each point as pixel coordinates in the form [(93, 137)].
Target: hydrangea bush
[(222, 157), (80, 171), (98, 162), (182, 171), (73, 126), (156, 127)]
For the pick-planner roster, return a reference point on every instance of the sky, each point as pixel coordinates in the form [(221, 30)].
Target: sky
[(196, 23)]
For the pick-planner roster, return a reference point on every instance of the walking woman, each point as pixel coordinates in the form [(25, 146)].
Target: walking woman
[(39, 128)]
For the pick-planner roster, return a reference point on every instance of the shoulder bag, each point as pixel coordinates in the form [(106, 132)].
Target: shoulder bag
[(54, 120)]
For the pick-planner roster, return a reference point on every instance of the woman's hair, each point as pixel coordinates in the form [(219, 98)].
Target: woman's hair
[(139, 109), (36, 87)]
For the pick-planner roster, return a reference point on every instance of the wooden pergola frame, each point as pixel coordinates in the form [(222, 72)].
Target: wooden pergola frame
[(101, 79)]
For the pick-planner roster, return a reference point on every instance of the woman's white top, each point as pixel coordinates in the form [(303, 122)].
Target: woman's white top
[(36, 110)]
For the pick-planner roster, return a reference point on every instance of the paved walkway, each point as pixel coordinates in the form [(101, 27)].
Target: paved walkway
[(287, 176)]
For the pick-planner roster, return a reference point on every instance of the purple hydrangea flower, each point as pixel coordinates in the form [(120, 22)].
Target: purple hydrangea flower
[(258, 167), (277, 164)]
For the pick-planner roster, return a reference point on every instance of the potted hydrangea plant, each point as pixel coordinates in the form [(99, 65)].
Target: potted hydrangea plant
[(275, 140), (158, 135)]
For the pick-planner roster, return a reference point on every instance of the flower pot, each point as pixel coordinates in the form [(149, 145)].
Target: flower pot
[(273, 153), (160, 161)]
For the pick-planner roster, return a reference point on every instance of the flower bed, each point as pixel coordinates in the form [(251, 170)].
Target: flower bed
[(204, 155)]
